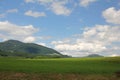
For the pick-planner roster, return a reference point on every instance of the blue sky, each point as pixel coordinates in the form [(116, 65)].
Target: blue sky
[(72, 27)]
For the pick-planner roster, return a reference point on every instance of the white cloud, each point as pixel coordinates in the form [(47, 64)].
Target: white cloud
[(59, 42), (100, 39), (12, 11), (112, 15), (85, 3), (35, 14), (43, 44), (59, 8), (13, 31), (29, 1), (40, 1), (114, 55), (103, 33), (81, 47), (44, 2), (29, 39), (56, 6)]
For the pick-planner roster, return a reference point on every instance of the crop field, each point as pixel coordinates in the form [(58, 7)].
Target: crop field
[(60, 68)]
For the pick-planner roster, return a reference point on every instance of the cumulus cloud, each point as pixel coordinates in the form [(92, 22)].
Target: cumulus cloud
[(103, 33), (43, 44), (29, 39), (13, 31), (59, 8), (114, 55), (29, 1), (101, 39), (12, 11), (85, 3), (112, 15), (56, 6), (35, 14)]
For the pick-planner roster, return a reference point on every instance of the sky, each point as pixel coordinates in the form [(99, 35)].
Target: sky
[(73, 27)]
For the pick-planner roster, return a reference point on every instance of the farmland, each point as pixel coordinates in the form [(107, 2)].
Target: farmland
[(61, 67)]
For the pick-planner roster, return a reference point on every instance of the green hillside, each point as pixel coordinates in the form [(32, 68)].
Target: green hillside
[(17, 48)]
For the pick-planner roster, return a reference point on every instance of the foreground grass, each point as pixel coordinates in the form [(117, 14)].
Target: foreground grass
[(51, 69), (62, 65)]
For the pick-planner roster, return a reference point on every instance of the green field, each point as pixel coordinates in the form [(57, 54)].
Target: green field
[(83, 66)]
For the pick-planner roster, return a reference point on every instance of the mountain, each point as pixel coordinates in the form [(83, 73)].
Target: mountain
[(17, 48), (94, 55)]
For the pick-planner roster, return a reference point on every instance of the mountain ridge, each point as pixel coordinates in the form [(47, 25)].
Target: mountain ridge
[(14, 46), (94, 55)]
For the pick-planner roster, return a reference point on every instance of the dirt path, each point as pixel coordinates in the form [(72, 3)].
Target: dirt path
[(36, 76)]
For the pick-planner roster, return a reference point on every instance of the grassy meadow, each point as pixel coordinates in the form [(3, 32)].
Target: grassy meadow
[(63, 68)]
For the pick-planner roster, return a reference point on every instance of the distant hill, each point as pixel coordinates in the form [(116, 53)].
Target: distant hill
[(17, 48), (94, 55)]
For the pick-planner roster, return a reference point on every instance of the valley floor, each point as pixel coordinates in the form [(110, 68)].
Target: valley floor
[(14, 68)]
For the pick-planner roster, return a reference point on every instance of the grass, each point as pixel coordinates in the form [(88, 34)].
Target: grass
[(61, 66)]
